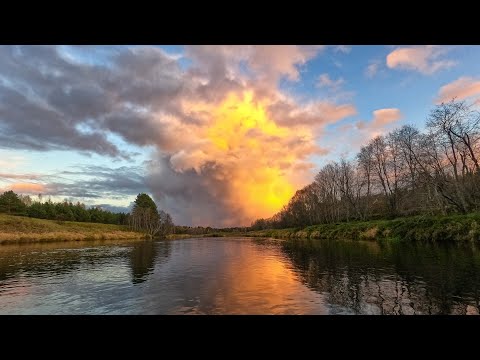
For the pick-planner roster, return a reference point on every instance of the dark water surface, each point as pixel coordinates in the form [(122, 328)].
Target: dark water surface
[(239, 276)]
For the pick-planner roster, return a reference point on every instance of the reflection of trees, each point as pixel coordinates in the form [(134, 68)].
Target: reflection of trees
[(143, 256), (58, 259), (54, 259), (391, 278)]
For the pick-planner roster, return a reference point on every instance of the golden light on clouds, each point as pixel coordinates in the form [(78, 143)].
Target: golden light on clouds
[(27, 188), (236, 117), (243, 133)]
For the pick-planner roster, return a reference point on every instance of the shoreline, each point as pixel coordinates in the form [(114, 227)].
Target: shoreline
[(16, 238), (21, 229), (453, 228)]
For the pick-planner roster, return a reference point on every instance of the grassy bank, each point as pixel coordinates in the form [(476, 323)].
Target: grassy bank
[(418, 228), (24, 229)]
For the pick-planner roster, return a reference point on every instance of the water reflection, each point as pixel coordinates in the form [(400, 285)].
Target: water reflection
[(238, 276), (144, 255), (57, 259), (391, 278)]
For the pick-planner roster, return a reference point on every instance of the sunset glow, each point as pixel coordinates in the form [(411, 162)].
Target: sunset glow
[(239, 179), (218, 135), (258, 186)]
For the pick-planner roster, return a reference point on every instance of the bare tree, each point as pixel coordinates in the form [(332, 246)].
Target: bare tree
[(404, 172)]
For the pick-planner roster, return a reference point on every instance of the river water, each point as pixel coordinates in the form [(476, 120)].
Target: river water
[(239, 276)]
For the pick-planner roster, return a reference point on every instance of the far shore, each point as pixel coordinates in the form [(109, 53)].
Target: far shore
[(21, 229), (453, 228)]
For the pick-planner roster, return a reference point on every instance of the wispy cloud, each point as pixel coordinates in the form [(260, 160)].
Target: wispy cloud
[(24, 188), (372, 69), (343, 49), (324, 81), (358, 133)]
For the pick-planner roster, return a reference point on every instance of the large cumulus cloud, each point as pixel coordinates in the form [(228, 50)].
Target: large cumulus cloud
[(56, 97)]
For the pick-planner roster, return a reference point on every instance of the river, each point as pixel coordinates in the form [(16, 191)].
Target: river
[(239, 276)]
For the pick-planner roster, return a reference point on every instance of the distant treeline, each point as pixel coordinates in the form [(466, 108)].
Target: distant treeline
[(145, 217), (200, 230), (12, 203), (403, 173)]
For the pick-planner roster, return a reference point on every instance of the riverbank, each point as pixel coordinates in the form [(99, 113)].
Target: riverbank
[(15, 229), (210, 235), (418, 228)]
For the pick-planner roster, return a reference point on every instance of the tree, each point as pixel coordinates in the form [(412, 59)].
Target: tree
[(146, 217), (11, 203), (404, 172), (144, 201), (37, 210)]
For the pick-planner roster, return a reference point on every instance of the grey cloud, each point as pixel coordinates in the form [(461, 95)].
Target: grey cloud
[(191, 197), (98, 182), (51, 100), (10, 176), (44, 98), (116, 209), (24, 123)]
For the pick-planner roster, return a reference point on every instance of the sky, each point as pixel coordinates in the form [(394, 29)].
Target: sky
[(217, 135)]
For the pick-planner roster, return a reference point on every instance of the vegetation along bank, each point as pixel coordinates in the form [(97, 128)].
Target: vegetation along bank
[(417, 228)]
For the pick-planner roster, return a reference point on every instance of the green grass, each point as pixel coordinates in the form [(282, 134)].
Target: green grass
[(417, 228), (25, 229)]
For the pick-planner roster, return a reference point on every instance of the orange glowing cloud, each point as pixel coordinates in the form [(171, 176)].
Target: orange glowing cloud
[(384, 117), (259, 184), (258, 161), (383, 120), (424, 59), (462, 88), (26, 188), (236, 147)]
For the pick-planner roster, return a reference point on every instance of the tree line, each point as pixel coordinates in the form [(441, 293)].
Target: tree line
[(14, 204), (145, 216), (405, 172), (201, 230)]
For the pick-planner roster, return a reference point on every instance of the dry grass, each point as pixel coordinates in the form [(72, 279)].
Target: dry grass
[(15, 229), (370, 233)]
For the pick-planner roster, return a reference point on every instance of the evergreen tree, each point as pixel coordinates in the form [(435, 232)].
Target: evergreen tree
[(10, 203)]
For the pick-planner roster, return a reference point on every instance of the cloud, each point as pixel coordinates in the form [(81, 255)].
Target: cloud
[(343, 49), (8, 176), (116, 209), (10, 160), (324, 81), (85, 183), (95, 182), (25, 188), (334, 91), (317, 114), (359, 133), (381, 122), (222, 64), (45, 100), (424, 59), (462, 88), (372, 69), (229, 144), (382, 117)]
